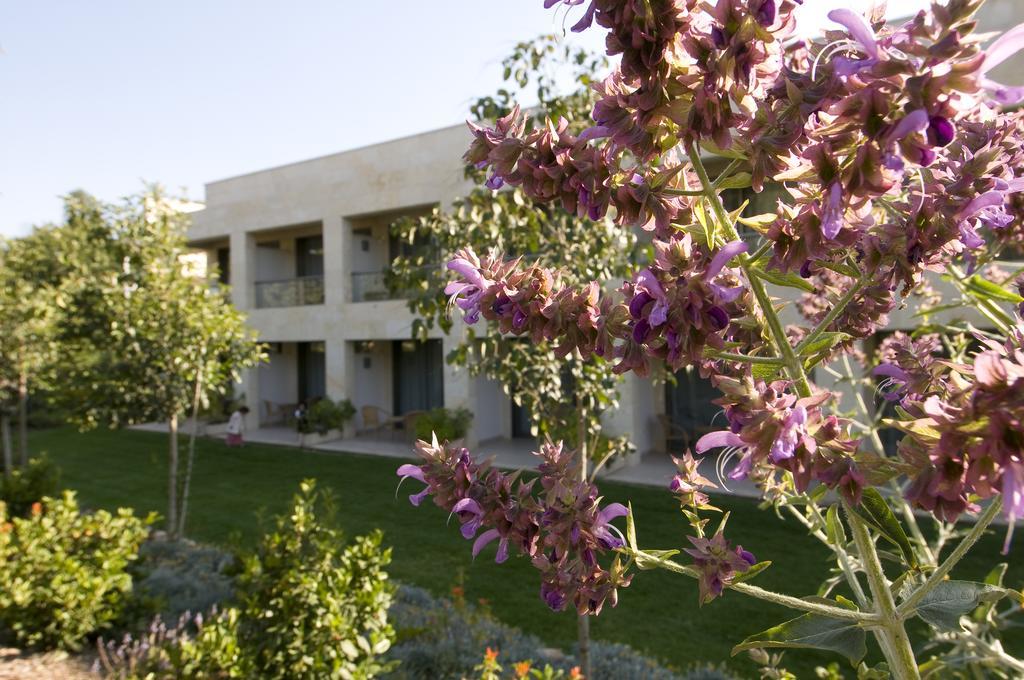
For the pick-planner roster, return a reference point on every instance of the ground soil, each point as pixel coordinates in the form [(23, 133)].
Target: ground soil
[(15, 665)]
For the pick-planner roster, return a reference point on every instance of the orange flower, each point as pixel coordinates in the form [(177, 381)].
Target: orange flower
[(522, 668), (458, 592), (575, 673), (5, 527), (491, 654), (37, 508)]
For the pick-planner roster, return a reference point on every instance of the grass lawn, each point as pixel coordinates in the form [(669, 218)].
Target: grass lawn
[(657, 615)]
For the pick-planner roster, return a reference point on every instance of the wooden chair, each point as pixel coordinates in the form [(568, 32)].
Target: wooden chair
[(409, 424), (675, 439), (376, 419)]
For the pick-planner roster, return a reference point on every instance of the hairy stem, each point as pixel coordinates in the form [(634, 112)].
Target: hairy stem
[(906, 510), (864, 618), (891, 634)]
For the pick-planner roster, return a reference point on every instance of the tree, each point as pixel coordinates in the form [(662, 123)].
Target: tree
[(144, 338), (556, 388), (894, 169), (27, 312)]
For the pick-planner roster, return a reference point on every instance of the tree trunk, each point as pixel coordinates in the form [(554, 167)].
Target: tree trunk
[(5, 436), (191, 453), (23, 417), (583, 622), (172, 477)]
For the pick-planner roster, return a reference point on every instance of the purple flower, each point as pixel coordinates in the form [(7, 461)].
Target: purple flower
[(940, 131), (766, 13), (468, 292), (718, 563), (862, 33), (724, 439), (471, 515), (832, 212), (416, 472), (794, 428), (718, 262), (895, 377), (487, 537), (647, 284), (601, 526), (1004, 47)]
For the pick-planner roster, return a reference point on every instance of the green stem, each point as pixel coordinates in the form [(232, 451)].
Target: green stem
[(988, 309), (907, 608), (907, 511), (863, 618), (833, 314), (744, 358), (790, 360), (891, 634), (761, 250), (727, 173), (845, 563)]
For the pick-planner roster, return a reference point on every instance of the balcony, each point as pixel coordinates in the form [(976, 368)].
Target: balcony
[(295, 292), (375, 286)]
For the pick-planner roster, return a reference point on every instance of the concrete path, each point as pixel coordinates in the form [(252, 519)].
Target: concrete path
[(650, 469)]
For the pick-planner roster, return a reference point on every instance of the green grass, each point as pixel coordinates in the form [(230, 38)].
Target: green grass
[(657, 615)]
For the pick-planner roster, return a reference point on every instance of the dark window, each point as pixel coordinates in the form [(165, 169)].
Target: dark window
[(309, 256), (418, 371), (689, 408), (312, 371), (224, 265)]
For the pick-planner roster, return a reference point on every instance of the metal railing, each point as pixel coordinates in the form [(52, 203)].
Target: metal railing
[(374, 286), (304, 290)]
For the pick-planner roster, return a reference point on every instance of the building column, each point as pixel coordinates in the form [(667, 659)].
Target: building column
[(336, 240), (243, 266)]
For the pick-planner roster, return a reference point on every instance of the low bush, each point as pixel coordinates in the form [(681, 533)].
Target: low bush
[(447, 424), (176, 577), (311, 609), (325, 415), (308, 607), (25, 486), (64, 574), (197, 647), (438, 638)]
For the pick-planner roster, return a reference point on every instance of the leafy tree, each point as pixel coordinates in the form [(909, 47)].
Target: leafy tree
[(143, 337), (564, 395), (27, 311)]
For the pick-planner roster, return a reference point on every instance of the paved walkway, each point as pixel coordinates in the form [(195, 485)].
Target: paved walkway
[(650, 469)]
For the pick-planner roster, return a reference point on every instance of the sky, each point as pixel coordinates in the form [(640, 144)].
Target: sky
[(108, 94)]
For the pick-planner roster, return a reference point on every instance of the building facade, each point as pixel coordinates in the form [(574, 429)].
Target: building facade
[(305, 248)]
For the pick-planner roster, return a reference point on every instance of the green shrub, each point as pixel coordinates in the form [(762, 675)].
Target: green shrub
[(175, 577), (310, 608), (64, 574), (29, 485), (447, 424), (198, 647), (325, 415)]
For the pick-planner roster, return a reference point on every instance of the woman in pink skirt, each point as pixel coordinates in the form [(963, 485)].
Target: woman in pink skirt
[(236, 425)]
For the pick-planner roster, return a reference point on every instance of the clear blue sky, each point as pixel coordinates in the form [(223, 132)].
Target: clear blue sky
[(103, 95)]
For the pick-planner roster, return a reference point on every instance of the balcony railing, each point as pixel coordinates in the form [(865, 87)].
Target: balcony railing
[(305, 290), (373, 286)]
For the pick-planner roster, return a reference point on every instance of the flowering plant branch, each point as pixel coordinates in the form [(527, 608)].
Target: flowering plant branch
[(898, 160)]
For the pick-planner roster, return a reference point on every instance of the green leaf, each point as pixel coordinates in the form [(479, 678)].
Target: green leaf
[(764, 371), (789, 280), (812, 631), (874, 510), (630, 529), (758, 223), (984, 288), (825, 342), (752, 572), (943, 606), (834, 525), (741, 180)]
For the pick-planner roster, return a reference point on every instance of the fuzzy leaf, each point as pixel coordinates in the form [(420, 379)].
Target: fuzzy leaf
[(987, 289), (789, 280), (874, 510), (826, 341), (741, 180), (949, 600), (752, 572), (811, 631)]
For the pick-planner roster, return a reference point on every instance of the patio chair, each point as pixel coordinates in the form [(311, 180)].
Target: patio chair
[(409, 424), (674, 438), (376, 419)]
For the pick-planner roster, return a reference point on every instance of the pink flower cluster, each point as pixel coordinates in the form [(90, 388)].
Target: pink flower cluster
[(560, 527)]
